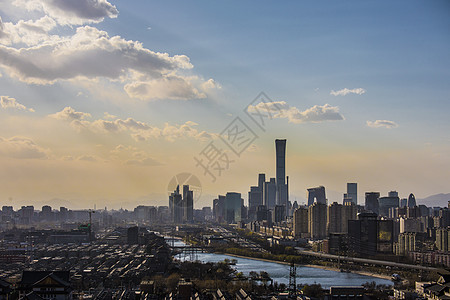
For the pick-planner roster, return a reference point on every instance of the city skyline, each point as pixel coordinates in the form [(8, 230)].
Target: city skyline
[(104, 104)]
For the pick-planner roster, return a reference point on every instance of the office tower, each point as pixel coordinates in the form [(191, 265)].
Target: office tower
[(317, 194), (301, 222), (411, 200), (317, 218), (219, 209), (352, 192), (254, 198), (188, 204), (261, 181), (176, 206), (403, 202), (270, 193), (386, 203), (362, 234), (233, 207), (279, 213), (349, 212), (261, 213), (372, 202), (282, 185), (334, 218), (369, 236)]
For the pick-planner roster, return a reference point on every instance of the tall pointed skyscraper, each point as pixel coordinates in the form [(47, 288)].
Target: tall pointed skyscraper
[(282, 187)]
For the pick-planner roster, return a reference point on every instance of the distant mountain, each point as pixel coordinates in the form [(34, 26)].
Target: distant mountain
[(435, 200)]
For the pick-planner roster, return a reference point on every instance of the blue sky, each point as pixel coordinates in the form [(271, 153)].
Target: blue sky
[(105, 101)]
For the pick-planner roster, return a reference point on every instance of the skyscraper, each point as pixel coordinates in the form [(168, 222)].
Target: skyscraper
[(188, 204), (372, 202), (233, 207), (282, 186), (270, 193), (317, 218), (411, 201), (386, 203), (318, 194), (176, 206), (352, 192), (301, 222)]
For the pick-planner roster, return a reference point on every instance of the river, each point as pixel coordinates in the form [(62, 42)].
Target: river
[(280, 272)]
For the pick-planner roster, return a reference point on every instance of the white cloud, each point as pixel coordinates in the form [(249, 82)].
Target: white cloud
[(169, 87), (8, 102), (22, 148), (27, 32), (69, 114), (68, 12), (382, 124), (315, 114), (89, 53), (346, 91), (211, 84), (140, 131), (92, 54)]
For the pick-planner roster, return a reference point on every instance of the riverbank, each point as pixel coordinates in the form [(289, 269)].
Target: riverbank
[(364, 273)]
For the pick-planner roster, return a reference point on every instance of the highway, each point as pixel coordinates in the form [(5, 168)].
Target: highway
[(365, 260)]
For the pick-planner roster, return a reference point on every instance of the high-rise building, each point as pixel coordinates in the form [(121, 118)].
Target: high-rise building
[(352, 192), (188, 204), (369, 236), (317, 218), (317, 194), (270, 193), (301, 222), (372, 202), (233, 207), (279, 213), (261, 213), (176, 206), (334, 218), (261, 181), (362, 234), (349, 212), (219, 209), (282, 185), (403, 202), (442, 238), (254, 198), (411, 200), (386, 203)]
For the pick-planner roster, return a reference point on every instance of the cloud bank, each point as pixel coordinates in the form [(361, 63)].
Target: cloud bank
[(315, 114), (30, 53)]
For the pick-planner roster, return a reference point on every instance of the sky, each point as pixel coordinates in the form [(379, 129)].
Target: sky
[(105, 102)]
